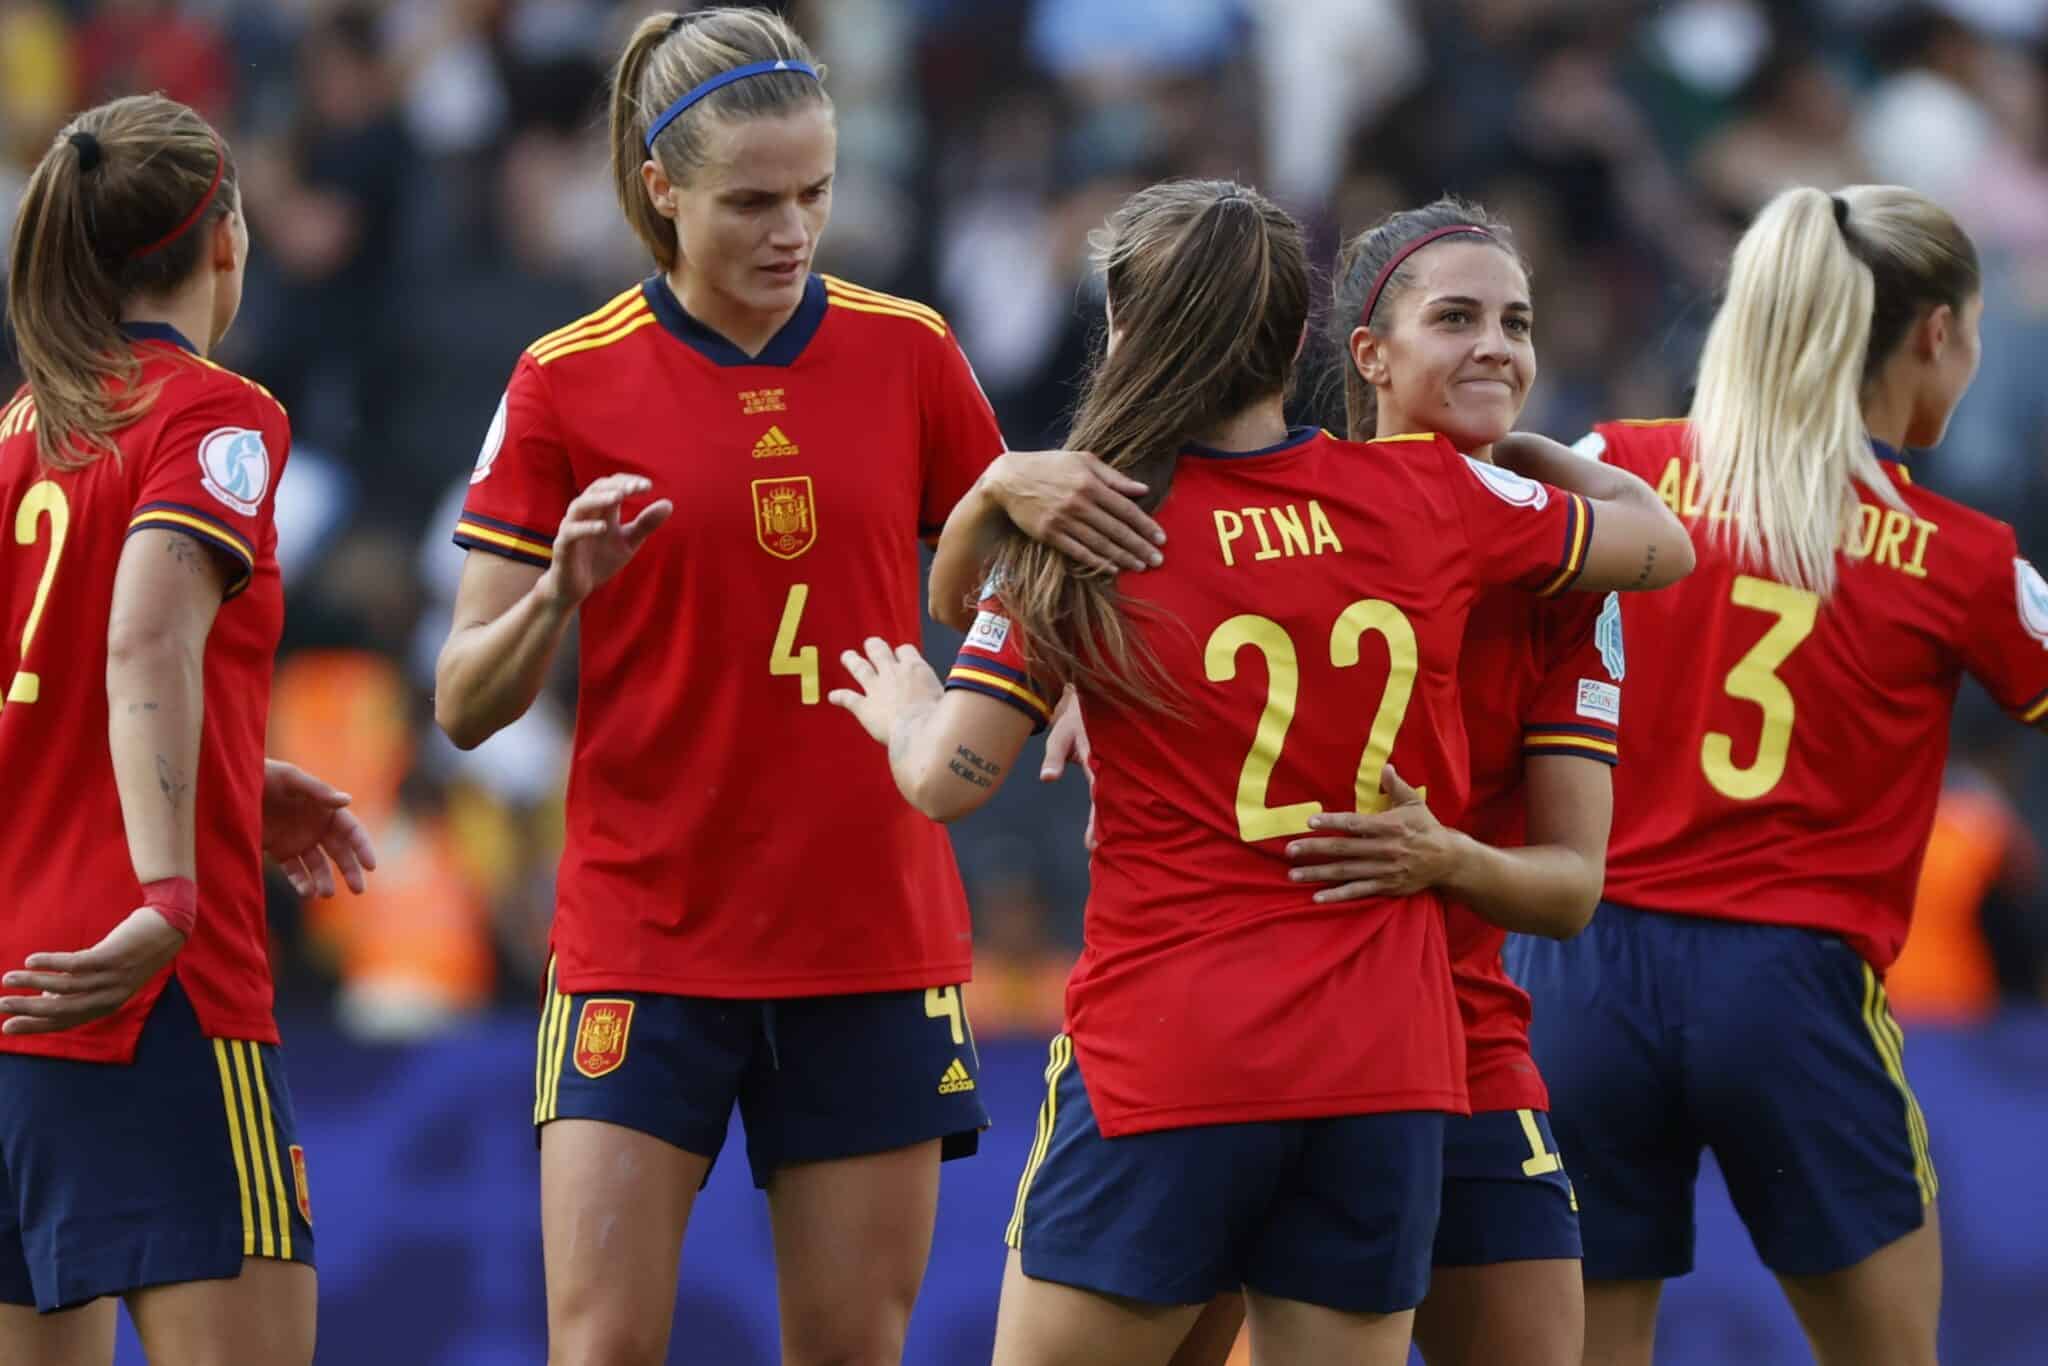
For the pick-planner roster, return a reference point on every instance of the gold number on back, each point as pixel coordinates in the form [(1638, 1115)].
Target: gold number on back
[(1755, 679), (785, 658), (1540, 1160), (44, 501), (943, 1003), (1255, 819)]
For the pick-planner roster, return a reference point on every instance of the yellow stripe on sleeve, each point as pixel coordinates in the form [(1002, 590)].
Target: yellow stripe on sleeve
[(504, 538), (1059, 1055), (2037, 711), (1550, 740), (629, 322), (266, 1243), (227, 1093), (875, 296), (987, 680), (278, 1201), (842, 301), (1575, 554), (220, 535), (590, 322)]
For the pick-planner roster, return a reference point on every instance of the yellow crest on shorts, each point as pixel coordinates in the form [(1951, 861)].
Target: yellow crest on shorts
[(299, 1186), (785, 515), (601, 1032)]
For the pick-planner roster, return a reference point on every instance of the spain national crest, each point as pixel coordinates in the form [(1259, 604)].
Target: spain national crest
[(785, 515), (601, 1033), (299, 1187)]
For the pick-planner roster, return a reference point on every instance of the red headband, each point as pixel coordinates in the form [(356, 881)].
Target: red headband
[(1372, 300), (220, 166)]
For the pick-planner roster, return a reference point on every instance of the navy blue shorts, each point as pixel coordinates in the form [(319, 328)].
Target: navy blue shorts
[(1506, 1195), (1336, 1212), (815, 1077), (171, 1169), (1660, 1035)]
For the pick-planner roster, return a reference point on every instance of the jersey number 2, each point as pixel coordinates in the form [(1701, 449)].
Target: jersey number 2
[(1255, 819), (1754, 679), (785, 659), (44, 501)]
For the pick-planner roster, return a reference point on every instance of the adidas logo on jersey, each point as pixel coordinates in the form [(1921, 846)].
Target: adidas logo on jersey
[(773, 443), (955, 1080)]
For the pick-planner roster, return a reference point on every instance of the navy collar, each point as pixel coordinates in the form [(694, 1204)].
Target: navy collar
[(782, 349), (162, 332), (1296, 436), (1885, 452)]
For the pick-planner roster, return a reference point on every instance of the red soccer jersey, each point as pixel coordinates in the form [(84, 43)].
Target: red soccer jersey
[(728, 833), (205, 461), (1313, 616), (1784, 755), (1538, 679)]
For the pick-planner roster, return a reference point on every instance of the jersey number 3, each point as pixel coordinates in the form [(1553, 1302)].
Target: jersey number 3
[(43, 504), (1255, 819), (1754, 679)]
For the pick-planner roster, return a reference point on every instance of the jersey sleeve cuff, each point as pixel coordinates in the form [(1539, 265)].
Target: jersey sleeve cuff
[(524, 544), (205, 528), (1578, 537), (1004, 684), (2035, 708), (1573, 741)]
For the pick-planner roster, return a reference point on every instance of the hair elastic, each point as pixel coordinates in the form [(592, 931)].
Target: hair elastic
[(1841, 212), (220, 166), (89, 152), (1372, 300), (719, 82)]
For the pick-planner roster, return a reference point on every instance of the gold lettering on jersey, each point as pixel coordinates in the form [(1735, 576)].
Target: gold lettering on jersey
[(1681, 492), (1881, 535), (1860, 536), (774, 442), (1917, 566), (785, 516), (1897, 527), (19, 417), (754, 401), (1298, 535)]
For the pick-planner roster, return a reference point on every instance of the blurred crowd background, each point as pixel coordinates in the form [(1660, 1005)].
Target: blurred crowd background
[(426, 184)]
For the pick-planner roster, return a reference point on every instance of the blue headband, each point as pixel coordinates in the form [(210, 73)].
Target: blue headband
[(718, 82)]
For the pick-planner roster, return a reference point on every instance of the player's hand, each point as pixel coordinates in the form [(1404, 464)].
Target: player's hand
[(309, 830), (888, 682), (1079, 506), (1068, 739), (1396, 852), (78, 988), (593, 543)]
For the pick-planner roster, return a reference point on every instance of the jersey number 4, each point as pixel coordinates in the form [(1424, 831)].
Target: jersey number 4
[(43, 504), (785, 659), (1255, 819), (1754, 679)]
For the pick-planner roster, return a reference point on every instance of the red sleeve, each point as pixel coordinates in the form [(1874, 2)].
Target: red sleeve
[(1523, 532), (991, 662), (523, 482), (1576, 709), (2005, 637), (960, 436), (213, 470)]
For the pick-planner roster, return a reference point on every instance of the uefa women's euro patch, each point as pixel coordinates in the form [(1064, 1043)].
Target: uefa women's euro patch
[(494, 441), (2033, 600), (234, 467), (601, 1032), (1510, 487)]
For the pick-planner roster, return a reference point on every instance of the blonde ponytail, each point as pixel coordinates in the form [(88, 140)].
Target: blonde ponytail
[(1821, 292)]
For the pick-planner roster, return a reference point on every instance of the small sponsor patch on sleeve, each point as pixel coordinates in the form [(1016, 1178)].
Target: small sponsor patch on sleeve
[(1600, 701), (1508, 486), (990, 632), (2032, 595)]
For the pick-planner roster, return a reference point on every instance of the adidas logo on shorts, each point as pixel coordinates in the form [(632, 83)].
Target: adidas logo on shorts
[(955, 1080)]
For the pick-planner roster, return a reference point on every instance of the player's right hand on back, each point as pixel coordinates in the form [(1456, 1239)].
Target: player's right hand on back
[(594, 542), (78, 988)]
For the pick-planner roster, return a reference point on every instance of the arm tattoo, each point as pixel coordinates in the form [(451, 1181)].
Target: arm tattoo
[(185, 552), (171, 781), (989, 767), (1649, 563), (975, 769), (134, 707)]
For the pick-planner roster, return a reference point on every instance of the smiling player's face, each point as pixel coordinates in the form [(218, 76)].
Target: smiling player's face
[(750, 218), (1458, 354)]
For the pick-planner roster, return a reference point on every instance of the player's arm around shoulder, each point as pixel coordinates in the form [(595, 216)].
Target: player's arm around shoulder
[(1636, 542), (949, 749)]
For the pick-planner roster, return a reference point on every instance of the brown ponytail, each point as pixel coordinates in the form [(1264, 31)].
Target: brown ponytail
[(117, 209), (1209, 286), (670, 55)]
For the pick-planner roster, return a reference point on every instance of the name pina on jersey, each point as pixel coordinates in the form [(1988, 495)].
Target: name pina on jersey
[(1298, 535)]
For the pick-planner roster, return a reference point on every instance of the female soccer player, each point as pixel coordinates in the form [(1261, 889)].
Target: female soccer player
[(1788, 721), (1265, 1077), (801, 433), (146, 1146)]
